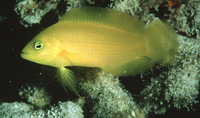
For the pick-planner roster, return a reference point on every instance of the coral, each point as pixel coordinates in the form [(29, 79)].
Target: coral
[(126, 6), (32, 11), (74, 3), (66, 110), (182, 85), (179, 87), (196, 17), (35, 95), (37, 100), (137, 8), (62, 110), (17, 110), (108, 97), (183, 19)]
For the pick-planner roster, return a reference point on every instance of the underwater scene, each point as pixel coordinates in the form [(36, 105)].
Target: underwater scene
[(100, 58)]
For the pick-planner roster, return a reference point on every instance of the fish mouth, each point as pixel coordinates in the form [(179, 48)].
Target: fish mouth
[(23, 54)]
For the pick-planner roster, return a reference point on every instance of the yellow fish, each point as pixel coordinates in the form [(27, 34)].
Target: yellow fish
[(101, 37)]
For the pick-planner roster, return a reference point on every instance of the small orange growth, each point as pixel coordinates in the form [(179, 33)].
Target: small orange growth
[(174, 4), (182, 33)]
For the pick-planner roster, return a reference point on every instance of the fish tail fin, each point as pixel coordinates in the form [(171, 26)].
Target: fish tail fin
[(161, 42), (66, 80)]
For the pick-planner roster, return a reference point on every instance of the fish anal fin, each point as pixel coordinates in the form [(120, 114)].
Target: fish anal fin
[(133, 67)]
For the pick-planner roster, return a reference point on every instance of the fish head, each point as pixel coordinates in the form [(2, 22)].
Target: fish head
[(41, 50)]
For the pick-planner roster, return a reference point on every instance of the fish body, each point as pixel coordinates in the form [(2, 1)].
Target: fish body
[(105, 38), (94, 45)]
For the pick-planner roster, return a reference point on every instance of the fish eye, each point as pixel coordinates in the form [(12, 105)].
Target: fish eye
[(38, 45)]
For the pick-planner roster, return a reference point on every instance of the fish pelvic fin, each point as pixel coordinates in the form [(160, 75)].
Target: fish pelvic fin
[(67, 80)]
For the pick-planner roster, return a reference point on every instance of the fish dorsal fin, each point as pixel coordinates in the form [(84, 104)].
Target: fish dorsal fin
[(104, 16)]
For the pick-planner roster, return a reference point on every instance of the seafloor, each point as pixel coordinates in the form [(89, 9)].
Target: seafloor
[(31, 90)]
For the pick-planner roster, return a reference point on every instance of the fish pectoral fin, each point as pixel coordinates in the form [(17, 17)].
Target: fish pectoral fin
[(133, 67), (66, 79)]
